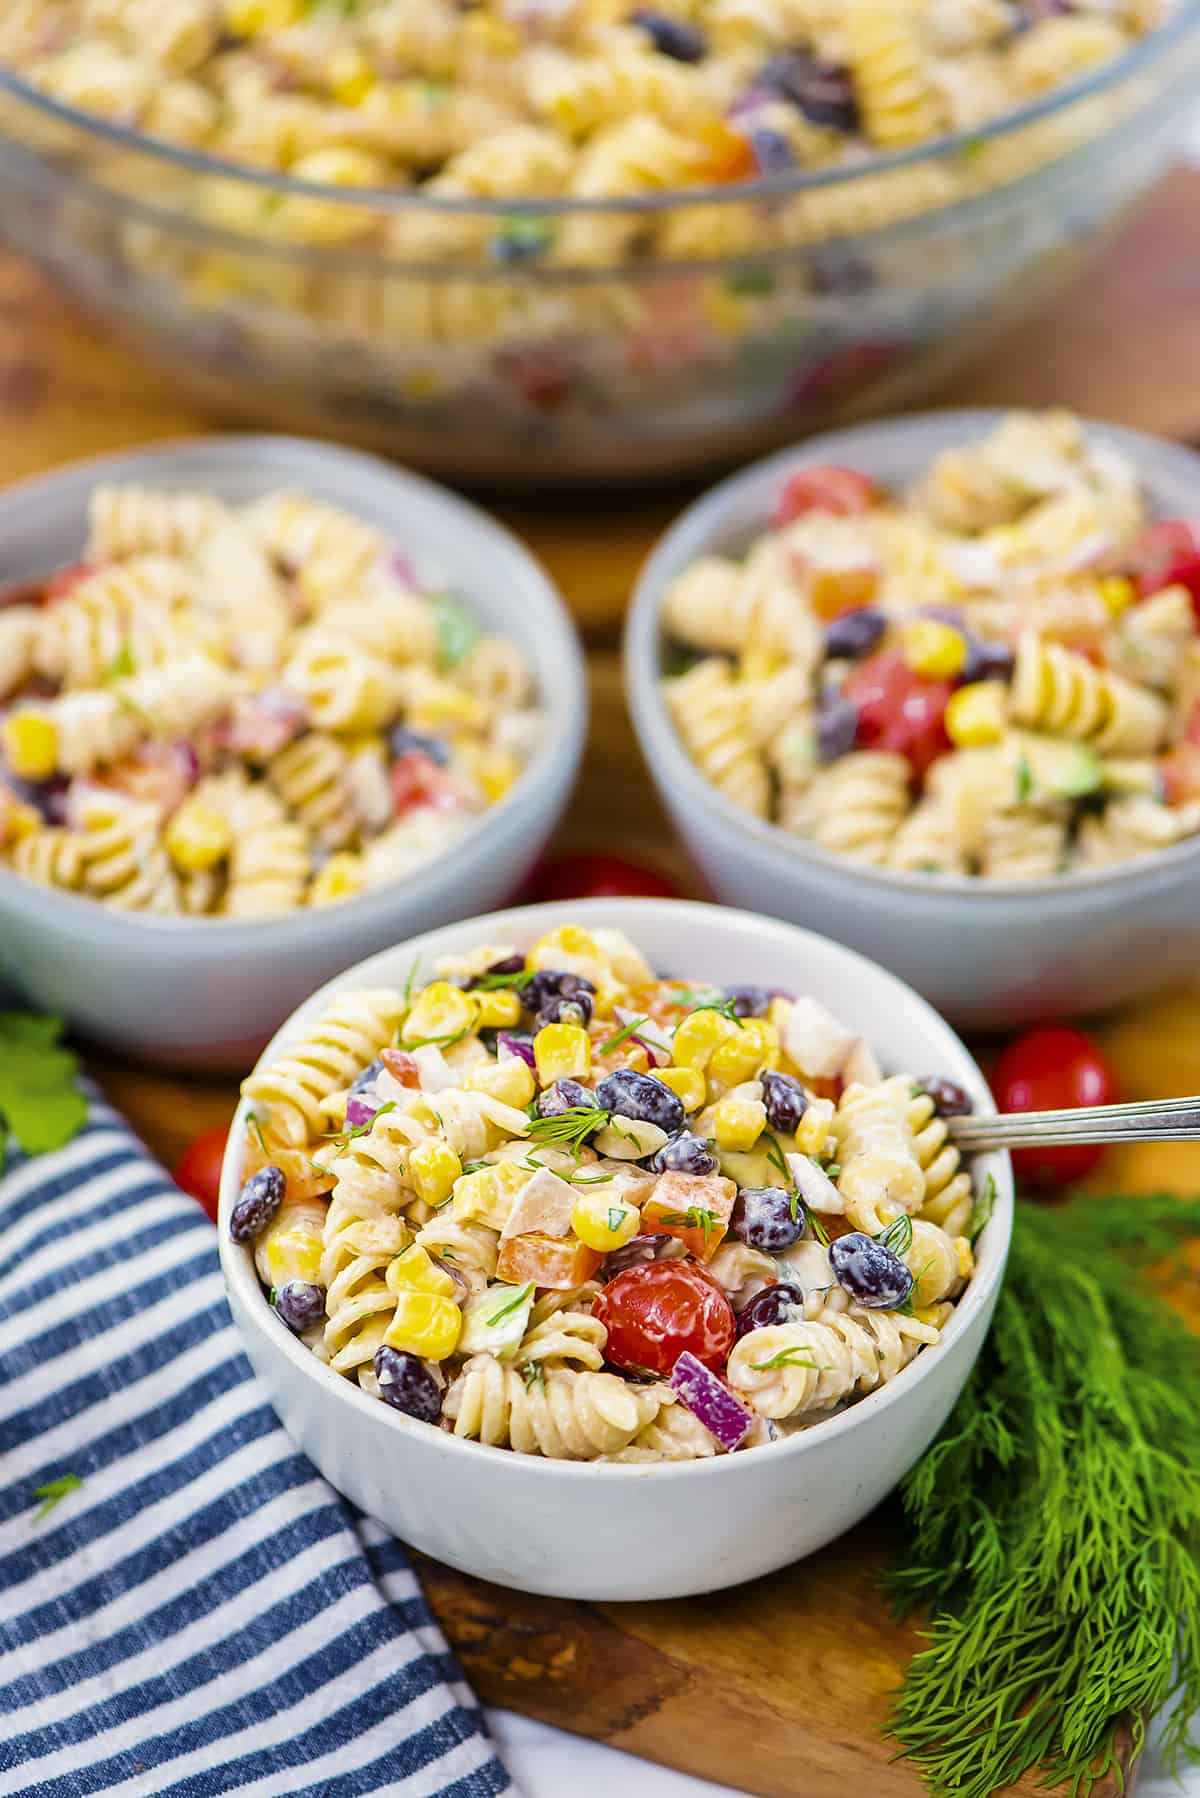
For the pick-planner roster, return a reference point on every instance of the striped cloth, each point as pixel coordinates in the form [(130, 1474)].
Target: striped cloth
[(203, 1615)]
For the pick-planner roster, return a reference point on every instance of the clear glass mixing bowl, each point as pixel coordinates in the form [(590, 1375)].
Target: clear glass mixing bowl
[(841, 292)]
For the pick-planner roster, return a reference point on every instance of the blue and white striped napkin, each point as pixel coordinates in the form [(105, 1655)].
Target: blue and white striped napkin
[(202, 1614)]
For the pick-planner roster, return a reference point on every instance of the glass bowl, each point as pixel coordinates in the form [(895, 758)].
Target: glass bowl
[(788, 304)]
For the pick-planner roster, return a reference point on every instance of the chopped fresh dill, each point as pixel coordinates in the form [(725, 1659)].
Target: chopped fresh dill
[(795, 1356), (614, 1042), (53, 1492), (1023, 778), (342, 1137), (898, 1235), (694, 1218), (982, 1206), (536, 1167), (818, 1229), (832, 1169), (616, 1217), (534, 1374), (255, 1128), (777, 1158), (513, 1304), (497, 983), (568, 1129), (438, 1042)]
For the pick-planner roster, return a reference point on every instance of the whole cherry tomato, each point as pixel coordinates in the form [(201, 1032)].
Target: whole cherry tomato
[(598, 877), (1180, 771), (1048, 1069), (1167, 554), (824, 488), (899, 710), (654, 1312), (199, 1169)]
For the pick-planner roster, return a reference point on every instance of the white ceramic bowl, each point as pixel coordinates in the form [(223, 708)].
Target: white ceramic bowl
[(989, 954), (636, 1532), (205, 994)]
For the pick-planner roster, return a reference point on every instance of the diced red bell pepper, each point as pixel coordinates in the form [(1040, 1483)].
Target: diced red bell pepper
[(557, 1262), (1167, 554)]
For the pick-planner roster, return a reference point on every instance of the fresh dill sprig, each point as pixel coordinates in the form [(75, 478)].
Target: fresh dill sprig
[(567, 1129), (351, 1134), (982, 1207), (1053, 1529), (898, 1236), (694, 1218), (622, 1036), (499, 983), (438, 1042), (513, 1304), (795, 1356)]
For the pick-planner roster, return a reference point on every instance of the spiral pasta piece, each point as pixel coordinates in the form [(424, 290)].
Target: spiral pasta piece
[(676, 1434), (291, 1086), (125, 864), (1060, 692), (938, 1262), (881, 1175), (128, 520), (345, 687), (330, 551), (854, 807), (709, 712), (19, 626), (269, 862), (122, 616), (564, 1338), (470, 1248), (1137, 825), (1023, 846), (741, 1271), (947, 1185), (53, 858), (786, 1370), (890, 68), (310, 778), (564, 1415), (359, 1303)]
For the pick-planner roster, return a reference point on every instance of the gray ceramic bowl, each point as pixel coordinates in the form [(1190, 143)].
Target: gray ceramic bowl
[(206, 994), (988, 954)]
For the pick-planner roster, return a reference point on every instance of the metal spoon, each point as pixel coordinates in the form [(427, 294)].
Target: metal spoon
[(1143, 1120)]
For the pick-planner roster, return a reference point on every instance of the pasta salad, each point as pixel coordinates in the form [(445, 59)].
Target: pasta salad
[(524, 100), (995, 674), (553, 1202), (238, 711)]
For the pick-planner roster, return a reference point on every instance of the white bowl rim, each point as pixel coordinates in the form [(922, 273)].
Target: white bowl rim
[(660, 742), (240, 1276), (564, 736)]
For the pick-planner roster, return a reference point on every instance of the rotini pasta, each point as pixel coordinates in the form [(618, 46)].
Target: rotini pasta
[(543, 1251), (302, 720), (989, 675)]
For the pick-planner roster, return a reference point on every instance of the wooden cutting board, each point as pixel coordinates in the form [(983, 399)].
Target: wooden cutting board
[(780, 1687)]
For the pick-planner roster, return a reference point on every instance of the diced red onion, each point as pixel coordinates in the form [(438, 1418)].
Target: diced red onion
[(360, 1109), (709, 1399), (512, 1045), (401, 569), (814, 1185)]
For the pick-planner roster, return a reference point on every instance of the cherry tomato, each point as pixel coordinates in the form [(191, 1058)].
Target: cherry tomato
[(597, 877), (1167, 554), (824, 488), (899, 710), (418, 780), (199, 1169), (1044, 1070), (654, 1312), (63, 580)]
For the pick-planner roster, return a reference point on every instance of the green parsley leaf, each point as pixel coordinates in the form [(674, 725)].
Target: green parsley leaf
[(898, 1235), (40, 1104), (513, 1304), (622, 1036), (982, 1207), (53, 1492), (458, 629)]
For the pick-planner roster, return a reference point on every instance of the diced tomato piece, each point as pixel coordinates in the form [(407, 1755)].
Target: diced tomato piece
[(728, 154), (63, 580), (824, 488), (418, 780), (899, 710), (694, 1207), (834, 591), (1180, 773), (557, 1262), (305, 1180), (401, 1066), (1167, 554), (658, 1311)]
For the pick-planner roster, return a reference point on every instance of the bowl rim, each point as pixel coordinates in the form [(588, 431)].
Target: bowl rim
[(674, 768), (560, 746), (1160, 42), (243, 1287)]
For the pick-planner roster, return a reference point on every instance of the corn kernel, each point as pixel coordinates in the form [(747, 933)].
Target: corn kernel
[(440, 1012), (1117, 592), (433, 1168), (604, 1224), (438, 703), (813, 1128), (977, 714), (511, 1081), (562, 1051), (497, 773), (738, 1123), (486, 1197), (30, 745), (424, 1324), (294, 1255), (965, 1256), (744, 1054), (339, 165), (933, 648), (342, 877), (251, 18), (198, 837), (931, 1314), (688, 1085), (700, 1033), (498, 1010), (416, 1271), (17, 819), (569, 939), (351, 77)]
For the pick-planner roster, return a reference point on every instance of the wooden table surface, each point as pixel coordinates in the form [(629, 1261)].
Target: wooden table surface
[(1123, 343)]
